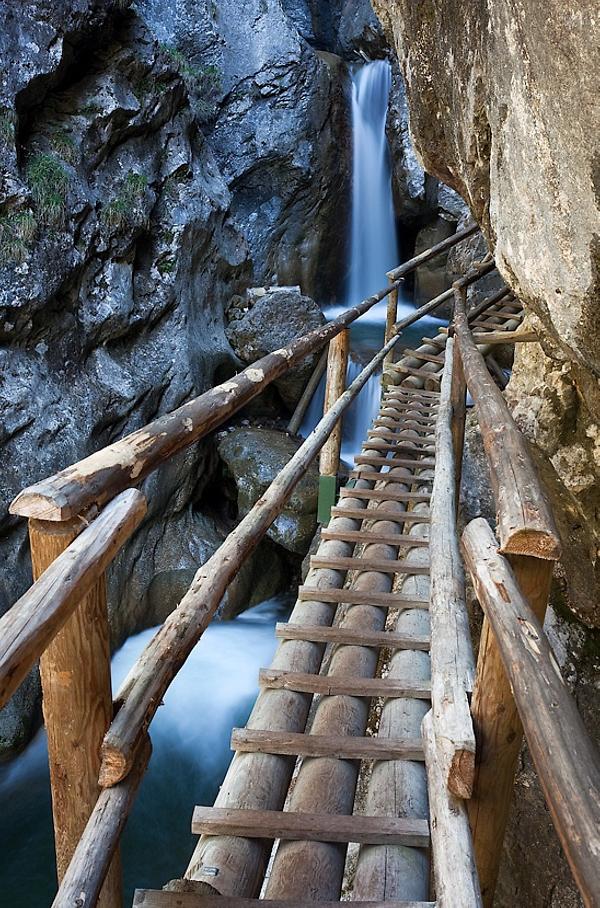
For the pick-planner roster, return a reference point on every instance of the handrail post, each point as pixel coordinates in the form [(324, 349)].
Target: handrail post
[(329, 459), (499, 731), (77, 704), (390, 321)]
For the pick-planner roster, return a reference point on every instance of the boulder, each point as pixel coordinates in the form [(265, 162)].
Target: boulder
[(269, 318), (253, 457)]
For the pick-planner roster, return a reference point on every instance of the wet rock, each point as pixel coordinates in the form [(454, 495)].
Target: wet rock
[(254, 457), (432, 278), (269, 318)]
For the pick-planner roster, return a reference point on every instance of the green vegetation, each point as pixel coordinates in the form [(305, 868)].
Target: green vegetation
[(125, 208), (204, 82), (49, 182), (17, 230), (7, 126), (166, 265), (64, 146)]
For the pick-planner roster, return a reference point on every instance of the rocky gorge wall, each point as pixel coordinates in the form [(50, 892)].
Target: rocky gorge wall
[(503, 108)]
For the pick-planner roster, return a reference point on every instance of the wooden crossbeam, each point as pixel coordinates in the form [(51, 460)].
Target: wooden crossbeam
[(427, 409), (374, 445), (409, 370), (435, 341), (370, 536), (343, 747), (384, 495), (425, 357), (414, 444), (159, 898), (369, 564), (419, 393), (505, 337), (360, 597), (351, 637), (375, 476), (336, 685), (395, 461), (488, 323), (381, 514)]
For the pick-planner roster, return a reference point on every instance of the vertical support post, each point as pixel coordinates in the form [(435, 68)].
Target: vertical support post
[(499, 731), (77, 704), (390, 321), (329, 461), (458, 402)]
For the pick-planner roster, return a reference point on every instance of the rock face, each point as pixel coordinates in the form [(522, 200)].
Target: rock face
[(254, 457), (503, 105), (269, 320)]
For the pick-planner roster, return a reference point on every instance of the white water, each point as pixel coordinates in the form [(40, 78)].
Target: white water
[(373, 251), (213, 692)]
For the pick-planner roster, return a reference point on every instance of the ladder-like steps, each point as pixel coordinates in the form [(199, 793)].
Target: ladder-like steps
[(421, 464), (347, 636), (360, 597), (414, 444), (424, 357), (370, 536), (342, 747), (387, 478), (418, 373), (368, 564), (158, 898), (338, 685), (393, 446)]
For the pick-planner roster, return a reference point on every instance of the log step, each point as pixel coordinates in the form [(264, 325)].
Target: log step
[(435, 342), (351, 637), (414, 444), (506, 337), (419, 419), (426, 409), (338, 685), (383, 494), (342, 747), (158, 898), (392, 446), (375, 476), (425, 357), (380, 514), (420, 464), (419, 373), (489, 323), (382, 566), (360, 597), (420, 393), (371, 537)]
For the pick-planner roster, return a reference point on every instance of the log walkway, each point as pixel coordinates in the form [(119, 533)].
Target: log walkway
[(378, 760)]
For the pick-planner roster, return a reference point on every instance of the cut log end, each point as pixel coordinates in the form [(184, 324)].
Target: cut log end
[(115, 766), (461, 774), (40, 506), (536, 543)]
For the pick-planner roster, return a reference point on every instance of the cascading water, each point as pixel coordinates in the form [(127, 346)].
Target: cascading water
[(373, 250)]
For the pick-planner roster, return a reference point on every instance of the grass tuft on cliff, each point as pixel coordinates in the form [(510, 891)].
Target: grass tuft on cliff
[(49, 182), (17, 231), (203, 82), (126, 208)]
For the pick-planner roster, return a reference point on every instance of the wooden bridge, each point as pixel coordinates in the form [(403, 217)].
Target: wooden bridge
[(373, 688)]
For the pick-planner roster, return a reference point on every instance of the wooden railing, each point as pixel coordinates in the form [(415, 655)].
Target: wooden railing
[(95, 769)]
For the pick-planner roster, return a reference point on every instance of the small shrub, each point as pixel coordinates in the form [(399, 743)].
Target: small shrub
[(64, 146), (204, 82), (7, 126), (166, 265), (17, 230), (125, 208), (49, 182)]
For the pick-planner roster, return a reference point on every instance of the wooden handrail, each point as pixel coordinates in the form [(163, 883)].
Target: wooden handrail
[(27, 628), (125, 463), (525, 523), (144, 688), (452, 662), (567, 763), (396, 273)]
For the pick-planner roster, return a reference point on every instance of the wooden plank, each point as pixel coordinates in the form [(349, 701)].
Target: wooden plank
[(415, 444), (525, 523), (370, 536), (343, 747), (425, 357), (368, 564), (409, 370), (456, 881), (384, 495), (28, 627), (373, 445), (334, 685), (381, 514), (159, 898), (351, 637), (410, 402), (360, 597), (422, 463), (452, 662), (386, 478), (431, 397), (566, 760), (506, 337)]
